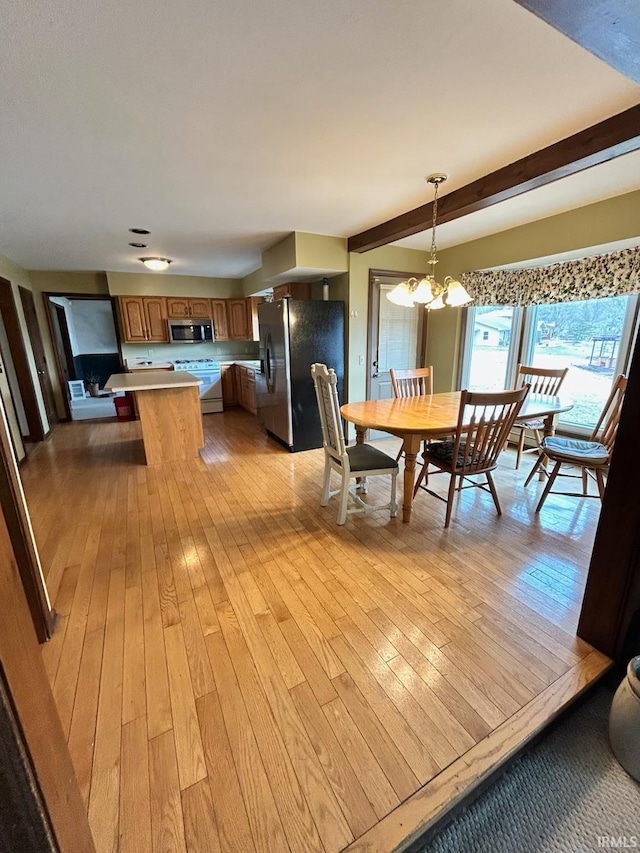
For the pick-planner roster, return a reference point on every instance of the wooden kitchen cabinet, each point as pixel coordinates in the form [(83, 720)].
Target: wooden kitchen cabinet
[(296, 289), (229, 385), (188, 307), (200, 308), (247, 388), (252, 310), (238, 320), (143, 319), (219, 317)]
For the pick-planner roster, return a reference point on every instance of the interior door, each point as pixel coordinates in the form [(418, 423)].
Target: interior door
[(26, 297), (62, 341), (11, 413), (395, 336)]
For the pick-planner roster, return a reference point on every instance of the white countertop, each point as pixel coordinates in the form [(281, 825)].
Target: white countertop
[(147, 364), (150, 380), (244, 362)]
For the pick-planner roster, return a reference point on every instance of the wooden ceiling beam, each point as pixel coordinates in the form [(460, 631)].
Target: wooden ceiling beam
[(604, 141)]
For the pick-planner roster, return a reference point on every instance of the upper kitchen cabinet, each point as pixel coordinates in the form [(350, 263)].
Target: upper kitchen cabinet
[(238, 319), (252, 307), (143, 319), (296, 289), (184, 307), (200, 308), (219, 317)]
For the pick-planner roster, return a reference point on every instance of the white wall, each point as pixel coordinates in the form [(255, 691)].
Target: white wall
[(93, 326)]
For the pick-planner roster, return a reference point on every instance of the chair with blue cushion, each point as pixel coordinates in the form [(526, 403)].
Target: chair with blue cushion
[(592, 457), (484, 422), (359, 461), (543, 380)]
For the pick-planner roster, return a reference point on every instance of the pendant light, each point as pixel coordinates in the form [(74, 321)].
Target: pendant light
[(428, 291)]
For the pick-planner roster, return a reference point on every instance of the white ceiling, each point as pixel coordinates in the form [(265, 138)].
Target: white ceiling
[(222, 126)]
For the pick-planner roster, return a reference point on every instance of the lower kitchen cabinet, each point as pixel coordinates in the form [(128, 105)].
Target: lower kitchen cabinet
[(239, 387), (248, 389), (229, 385)]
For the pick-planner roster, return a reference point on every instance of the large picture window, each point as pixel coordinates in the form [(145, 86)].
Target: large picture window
[(591, 337)]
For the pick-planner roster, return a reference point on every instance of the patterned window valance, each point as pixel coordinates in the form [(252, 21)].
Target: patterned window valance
[(589, 278)]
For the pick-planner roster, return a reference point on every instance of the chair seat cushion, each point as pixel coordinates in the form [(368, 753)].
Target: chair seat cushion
[(364, 457), (534, 423), (442, 451), (575, 448)]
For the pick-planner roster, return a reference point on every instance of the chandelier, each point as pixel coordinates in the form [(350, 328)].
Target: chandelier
[(428, 291)]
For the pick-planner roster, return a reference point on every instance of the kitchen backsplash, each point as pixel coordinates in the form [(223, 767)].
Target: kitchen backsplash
[(222, 351)]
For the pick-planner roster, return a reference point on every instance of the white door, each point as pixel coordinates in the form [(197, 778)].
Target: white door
[(395, 337)]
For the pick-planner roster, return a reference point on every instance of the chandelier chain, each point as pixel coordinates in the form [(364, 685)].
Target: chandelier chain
[(429, 292), (434, 260)]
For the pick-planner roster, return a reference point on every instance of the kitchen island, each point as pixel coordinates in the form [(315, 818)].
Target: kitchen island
[(168, 405)]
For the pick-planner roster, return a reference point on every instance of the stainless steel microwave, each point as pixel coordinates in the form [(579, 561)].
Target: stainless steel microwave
[(191, 331)]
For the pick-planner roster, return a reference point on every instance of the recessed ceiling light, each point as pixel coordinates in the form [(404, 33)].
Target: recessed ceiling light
[(156, 264), (138, 245), (139, 231)]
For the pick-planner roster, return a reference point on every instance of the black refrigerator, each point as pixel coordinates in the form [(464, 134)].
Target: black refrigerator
[(294, 334)]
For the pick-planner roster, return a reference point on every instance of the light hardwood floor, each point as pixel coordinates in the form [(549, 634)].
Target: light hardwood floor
[(235, 672)]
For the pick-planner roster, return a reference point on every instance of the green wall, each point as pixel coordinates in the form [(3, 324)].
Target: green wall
[(156, 284)]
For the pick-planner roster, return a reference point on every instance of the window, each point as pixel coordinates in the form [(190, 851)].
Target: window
[(586, 337), (489, 336), (397, 334), (592, 338)]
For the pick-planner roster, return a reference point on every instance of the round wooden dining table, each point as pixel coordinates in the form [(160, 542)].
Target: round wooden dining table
[(414, 419)]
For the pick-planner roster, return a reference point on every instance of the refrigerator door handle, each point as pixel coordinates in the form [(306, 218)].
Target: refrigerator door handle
[(269, 371)]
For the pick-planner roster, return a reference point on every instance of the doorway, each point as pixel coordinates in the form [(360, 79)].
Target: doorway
[(85, 339), (396, 336)]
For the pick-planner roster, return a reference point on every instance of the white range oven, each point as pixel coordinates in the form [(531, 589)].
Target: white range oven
[(208, 371)]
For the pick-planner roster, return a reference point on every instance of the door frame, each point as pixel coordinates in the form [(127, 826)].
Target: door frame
[(21, 364), (48, 305), (423, 319), (31, 732)]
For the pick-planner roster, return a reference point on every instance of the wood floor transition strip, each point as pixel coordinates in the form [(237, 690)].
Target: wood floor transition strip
[(421, 810)]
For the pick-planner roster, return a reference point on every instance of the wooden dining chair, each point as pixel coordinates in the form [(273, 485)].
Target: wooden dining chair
[(359, 460), (415, 382), (412, 383), (592, 456), (484, 422), (543, 380)]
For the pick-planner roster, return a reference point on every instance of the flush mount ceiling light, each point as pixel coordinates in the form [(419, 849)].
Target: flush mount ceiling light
[(139, 231), (155, 264), (428, 291), (138, 245)]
